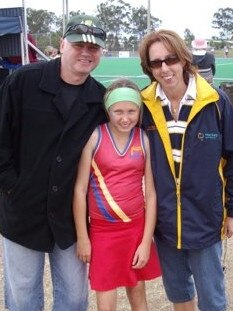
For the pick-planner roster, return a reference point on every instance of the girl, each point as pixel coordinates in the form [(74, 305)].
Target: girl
[(115, 173)]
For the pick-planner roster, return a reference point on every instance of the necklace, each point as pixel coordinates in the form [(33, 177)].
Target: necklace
[(174, 112)]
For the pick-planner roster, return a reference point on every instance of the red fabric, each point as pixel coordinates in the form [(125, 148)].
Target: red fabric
[(113, 248), (32, 55), (122, 175)]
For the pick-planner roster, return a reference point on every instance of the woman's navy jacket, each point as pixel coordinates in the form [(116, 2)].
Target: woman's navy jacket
[(192, 209)]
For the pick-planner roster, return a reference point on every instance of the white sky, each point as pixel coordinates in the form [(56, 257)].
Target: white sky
[(196, 15)]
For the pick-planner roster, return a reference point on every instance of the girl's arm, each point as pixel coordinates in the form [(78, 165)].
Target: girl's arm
[(143, 251), (79, 199)]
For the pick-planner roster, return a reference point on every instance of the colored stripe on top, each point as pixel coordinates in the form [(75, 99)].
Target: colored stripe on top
[(116, 178)]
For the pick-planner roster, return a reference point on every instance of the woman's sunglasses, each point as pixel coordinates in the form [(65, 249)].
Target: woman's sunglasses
[(170, 60), (81, 29)]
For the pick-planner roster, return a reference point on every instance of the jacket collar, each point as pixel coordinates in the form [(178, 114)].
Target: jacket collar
[(50, 79), (205, 95), (51, 82)]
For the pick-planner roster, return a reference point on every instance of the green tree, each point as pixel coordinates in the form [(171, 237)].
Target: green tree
[(125, 25), (115, 15), (130, 44), (124, 22), (223, 20), (44, 26), (188, 37), (41, 21), (139, 22)]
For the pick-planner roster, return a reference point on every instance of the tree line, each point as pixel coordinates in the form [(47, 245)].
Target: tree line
[(47, 27)]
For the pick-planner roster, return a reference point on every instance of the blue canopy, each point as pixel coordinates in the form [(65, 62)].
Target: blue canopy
[(10, 25), (11, 28)]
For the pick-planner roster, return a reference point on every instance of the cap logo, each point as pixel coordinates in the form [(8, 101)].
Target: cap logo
[(88, 22), (85, 29), (93, 39), (89, 38), (84, 38)]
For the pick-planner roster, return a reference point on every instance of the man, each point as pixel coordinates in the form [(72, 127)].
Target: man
[(203, 60), (47, 113), (190, 128)]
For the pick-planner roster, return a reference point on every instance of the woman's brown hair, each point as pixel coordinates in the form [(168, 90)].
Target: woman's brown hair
[(174, 43)]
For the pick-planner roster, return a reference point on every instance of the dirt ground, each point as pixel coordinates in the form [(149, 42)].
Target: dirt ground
[(156, 298)]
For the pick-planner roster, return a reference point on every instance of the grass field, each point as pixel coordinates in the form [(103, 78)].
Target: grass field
[(111, 68)]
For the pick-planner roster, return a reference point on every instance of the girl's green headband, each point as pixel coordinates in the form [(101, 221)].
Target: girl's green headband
[(123, 94)]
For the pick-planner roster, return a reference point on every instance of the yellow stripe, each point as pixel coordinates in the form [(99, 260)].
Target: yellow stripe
[(115, 207), (155, 107), (157, 114), (220, 169), (179, 227), (205, 96), (178, 194)]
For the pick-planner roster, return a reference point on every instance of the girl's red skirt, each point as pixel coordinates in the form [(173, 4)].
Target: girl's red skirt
[(113, 249)]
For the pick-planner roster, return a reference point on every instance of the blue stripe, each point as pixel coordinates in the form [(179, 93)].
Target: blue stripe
[(100, 202)]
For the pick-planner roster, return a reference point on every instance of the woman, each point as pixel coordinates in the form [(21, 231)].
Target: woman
[(190, 129)]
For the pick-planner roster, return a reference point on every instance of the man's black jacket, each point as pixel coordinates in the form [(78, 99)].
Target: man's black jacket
[(39, 150)]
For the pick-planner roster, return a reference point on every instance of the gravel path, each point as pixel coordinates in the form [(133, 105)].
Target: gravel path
[(155, 293)]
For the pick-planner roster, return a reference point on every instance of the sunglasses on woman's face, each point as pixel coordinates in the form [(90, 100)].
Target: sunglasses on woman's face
[(170, 60), (81, 29)]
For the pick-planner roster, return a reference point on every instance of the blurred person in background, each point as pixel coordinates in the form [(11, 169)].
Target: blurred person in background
[(203, 60), (51, 52), (226, 51)]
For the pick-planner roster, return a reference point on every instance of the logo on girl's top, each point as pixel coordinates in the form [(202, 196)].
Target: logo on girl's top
[(136, 151)]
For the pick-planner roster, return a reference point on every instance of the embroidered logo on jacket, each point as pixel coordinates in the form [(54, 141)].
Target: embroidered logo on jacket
[(207, 136)]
